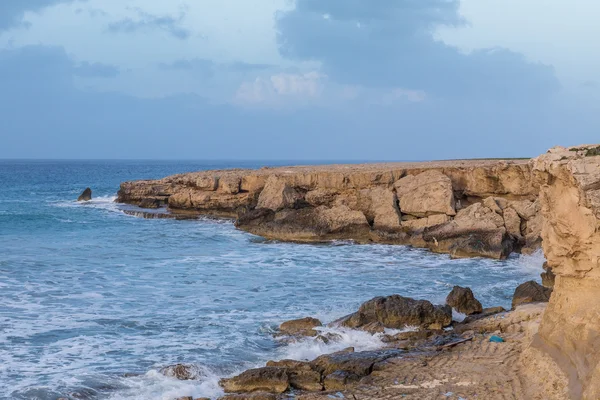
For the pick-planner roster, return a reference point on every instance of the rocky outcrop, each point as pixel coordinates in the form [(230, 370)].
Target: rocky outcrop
[(463, 301), (421, 204), (398, 312), (86, 195), (300, 327), (568, 343), (182, 372), (266, 379), (530, 292)]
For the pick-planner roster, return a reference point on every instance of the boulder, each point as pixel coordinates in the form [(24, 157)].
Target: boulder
[(530, 292), (320, 197), (493, 205), (397, 312), (250, 396), (425, 194), (463, 301), (300, 327), (358, 364), (86, 195), (229, 184), (277, 195), (384, 209), (475, 231), (266, 379), (182, 372)]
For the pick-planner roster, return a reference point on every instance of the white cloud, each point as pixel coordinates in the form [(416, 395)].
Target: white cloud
[(281, 89)]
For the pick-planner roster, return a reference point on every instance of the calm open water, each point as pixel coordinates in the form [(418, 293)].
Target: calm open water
[(93, 301)]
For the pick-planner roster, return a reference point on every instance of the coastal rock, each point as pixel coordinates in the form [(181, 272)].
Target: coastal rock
[(475, 231), (229, 184), (86, 195), (250, 396), (397, 312), (266, 379), (425, 194), (338, 380), (530, 292), (357, 364), (492, 204), (302, 375), (384, 209), (307, 224), (463, 301), (182, 372), (300, 327), (277, 195), (422, 223)]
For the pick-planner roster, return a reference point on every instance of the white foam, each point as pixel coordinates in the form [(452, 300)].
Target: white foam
[(532, 263), (154, 385)]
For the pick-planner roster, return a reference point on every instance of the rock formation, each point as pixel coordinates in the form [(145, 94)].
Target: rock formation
[(568, 343), (530, 292), (86, 195), (465, 208), (463, 301)]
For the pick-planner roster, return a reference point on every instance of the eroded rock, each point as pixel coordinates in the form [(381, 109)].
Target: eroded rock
[(182, 372), (266, 379), (531, 292), (300, 327), (425, 194), (86, 195), (463, 301), (398, 312)]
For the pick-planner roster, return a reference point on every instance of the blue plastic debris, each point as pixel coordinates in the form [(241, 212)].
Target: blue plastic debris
[(496, 339)]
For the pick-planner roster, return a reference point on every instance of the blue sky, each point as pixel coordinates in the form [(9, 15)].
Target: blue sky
[(303, 79)]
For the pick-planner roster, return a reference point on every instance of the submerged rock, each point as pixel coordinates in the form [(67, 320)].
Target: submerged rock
[(86, 195), (300, 327), (530, 292), (183, 372), (463, 301), (397, 312)]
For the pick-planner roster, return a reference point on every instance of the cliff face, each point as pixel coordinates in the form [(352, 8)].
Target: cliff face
[(465, 208), (569, 335)]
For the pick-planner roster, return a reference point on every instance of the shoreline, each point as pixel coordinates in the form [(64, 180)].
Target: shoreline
[(463, 208)]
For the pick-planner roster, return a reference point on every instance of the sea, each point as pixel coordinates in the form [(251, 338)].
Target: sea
[(94, 302)]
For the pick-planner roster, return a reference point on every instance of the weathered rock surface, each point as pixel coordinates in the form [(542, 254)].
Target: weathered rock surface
[(300, 327), (398, 312), (86, 195), (548, 277), (425, 194), (530, 292), (388, 203), (463, 301), (568, 344), (266, 379)]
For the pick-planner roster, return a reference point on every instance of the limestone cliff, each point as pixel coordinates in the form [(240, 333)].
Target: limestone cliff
[(568, 344), (465, 208)]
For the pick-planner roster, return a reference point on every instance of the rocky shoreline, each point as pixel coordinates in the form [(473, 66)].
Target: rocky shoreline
[(375, 374), (465, 208)]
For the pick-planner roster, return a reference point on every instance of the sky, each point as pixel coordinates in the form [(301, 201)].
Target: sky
[(297, 79)]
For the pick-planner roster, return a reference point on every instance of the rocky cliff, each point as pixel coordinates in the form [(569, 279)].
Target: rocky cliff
[(465, 208), (567, 348)]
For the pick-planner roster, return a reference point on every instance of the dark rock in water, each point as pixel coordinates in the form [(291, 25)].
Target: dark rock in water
[(463, 301), (530, 292), (183, 372), (300, 327), (396, 312), (266, 379), (86, 195), (548, 276)]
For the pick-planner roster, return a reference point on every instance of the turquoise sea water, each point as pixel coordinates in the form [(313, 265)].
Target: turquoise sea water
[(93, 302)]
